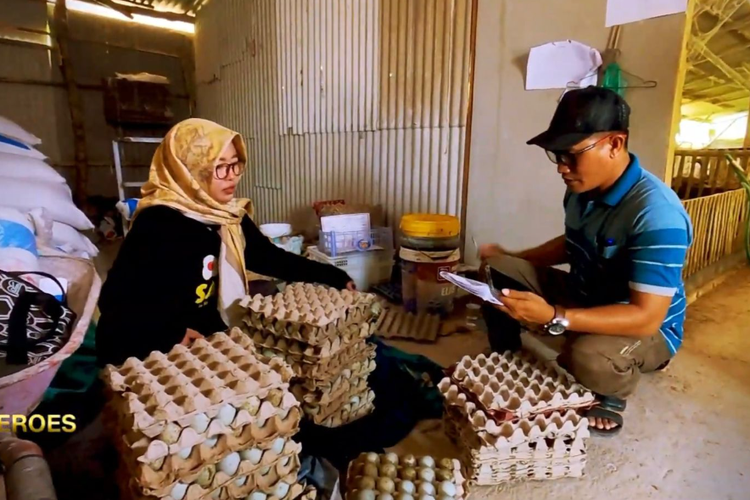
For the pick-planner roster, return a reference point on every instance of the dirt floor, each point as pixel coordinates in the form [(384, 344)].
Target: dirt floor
[(686, 432)]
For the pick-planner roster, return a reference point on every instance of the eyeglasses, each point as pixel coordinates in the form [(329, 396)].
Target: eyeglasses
[(222, 171), (570, 158)]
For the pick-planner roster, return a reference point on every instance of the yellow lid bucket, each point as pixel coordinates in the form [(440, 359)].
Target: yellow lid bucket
[(430, 226)]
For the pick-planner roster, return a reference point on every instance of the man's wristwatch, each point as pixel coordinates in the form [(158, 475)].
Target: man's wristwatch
[(559, 324)]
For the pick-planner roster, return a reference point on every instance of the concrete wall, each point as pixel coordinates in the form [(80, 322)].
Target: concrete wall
[(100, 47), (515, 193)]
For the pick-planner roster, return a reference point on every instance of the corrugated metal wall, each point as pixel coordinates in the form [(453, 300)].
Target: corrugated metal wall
[(364, 100)]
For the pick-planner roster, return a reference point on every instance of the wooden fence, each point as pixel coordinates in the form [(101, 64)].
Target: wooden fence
[(718, 225), (697, 173)]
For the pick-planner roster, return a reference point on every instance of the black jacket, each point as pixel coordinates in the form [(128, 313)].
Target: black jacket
[(164, 282)]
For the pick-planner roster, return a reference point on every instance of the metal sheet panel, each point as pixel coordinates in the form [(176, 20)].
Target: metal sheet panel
[(364, 100)]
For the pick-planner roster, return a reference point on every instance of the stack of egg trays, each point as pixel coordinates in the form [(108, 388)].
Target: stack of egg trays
[(522, 424), (388, 476), (321, 333), (208, 421)]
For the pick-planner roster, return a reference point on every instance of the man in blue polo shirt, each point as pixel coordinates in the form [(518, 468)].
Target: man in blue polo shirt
[(622, 305)]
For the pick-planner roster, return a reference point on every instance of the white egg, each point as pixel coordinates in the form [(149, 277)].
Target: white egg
[(200, 423), (278, 445), (281, 490), (365, 495), (426, 474), (211, 442), (254, 455), (185, 452), (427, 461), (258, 495), (406, 487), (426, 489), (230, 463), (426, 497), (448, 488), (391, 458), (385, 496), (354, 400), (386, 485), (178, 491), (226, 414), (372, 458), (241, 481)]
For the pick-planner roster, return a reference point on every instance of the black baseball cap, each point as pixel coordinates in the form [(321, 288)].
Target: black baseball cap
[(581, 114)]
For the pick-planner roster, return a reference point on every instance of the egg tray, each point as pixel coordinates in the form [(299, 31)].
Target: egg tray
[(350, 413), (166, 470), (533, 473), (347, 403), (408, 474), (329, 394), (304, 352), (474, 422), (187, 381), (512, 386), (250, 419), (396, 323), (229, 489)]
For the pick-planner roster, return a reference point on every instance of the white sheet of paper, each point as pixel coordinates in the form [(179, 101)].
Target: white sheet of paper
[(557, 65), (630, 11), (477, 288)]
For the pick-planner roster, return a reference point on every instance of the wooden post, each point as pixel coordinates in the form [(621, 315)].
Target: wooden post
[(75, 104), (746, 145)]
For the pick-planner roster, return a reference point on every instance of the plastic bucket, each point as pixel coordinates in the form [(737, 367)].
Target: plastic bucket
[(423, 290), (430, 226)]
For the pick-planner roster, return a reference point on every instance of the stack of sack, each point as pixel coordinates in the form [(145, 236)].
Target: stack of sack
[(515, 418), (322, 334), (36, 196), (205, 421)]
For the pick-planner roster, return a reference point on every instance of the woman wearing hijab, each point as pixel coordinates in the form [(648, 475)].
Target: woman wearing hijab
[(181, 270)]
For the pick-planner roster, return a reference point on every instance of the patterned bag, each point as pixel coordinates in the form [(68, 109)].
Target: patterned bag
[(33, 324)]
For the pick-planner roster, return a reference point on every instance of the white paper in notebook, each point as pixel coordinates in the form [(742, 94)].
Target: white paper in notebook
[(476, 288), (563, 64), (630, 11)]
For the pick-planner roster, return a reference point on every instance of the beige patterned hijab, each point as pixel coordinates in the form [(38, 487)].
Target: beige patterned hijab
[(180, 172)]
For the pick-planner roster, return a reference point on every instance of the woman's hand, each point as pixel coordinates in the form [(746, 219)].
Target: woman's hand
[(351, 286), (190, 336), (526, 306), (489, 250)]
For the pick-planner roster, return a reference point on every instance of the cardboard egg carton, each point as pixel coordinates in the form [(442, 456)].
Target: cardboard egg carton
[(201, 379), (164, 472), (345, 411), (307, 353), (535, 471), (324, 394), (390, 474), (513, 386), (309, 313), (394, 322)]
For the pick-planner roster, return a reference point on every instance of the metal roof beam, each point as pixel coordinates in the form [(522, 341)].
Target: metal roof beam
[(722, 66)]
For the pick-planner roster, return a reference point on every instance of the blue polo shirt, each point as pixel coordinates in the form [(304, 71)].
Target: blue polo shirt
[(634, 236)]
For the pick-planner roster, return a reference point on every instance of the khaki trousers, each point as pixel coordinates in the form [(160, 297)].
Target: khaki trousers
[(607, 365)]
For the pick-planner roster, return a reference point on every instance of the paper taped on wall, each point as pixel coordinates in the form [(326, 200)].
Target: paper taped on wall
[(630, 11)]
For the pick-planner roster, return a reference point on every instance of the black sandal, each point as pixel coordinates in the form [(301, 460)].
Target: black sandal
[(609, 408)]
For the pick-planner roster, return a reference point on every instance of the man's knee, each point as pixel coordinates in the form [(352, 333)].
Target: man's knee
[(595, 363)]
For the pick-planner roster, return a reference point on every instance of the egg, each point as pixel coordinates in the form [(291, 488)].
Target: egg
[(426, 489), (252, 405), (370, 470), (216, 494), (406, 486), (156, 464), (426, 474), (365, 495), (427, 461), (253, 455), (448, 488), (409, 461), (281, 489), (241, 481), (200, 423), (264, 471), (391, 458), (446, 463), (275, 396), (226, 414), (185, 452), (372, 458), (211, 442), (229, 464), (354, 400), (278, 446), (366, 483), (258, 495), (385, 496), (171, 433), (409, 473), (388, 470), (386, 485), (426, 497), (443, 475), (178, 491), (206, 476), (404, 496)]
